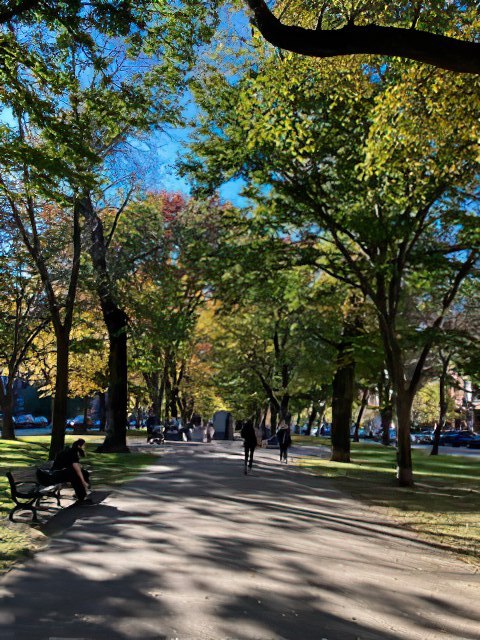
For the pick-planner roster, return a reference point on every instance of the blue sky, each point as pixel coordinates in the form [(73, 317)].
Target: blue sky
[(169, 146), (169, 149)]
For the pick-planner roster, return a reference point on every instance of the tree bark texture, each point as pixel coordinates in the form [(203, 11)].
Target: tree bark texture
[(274, 410), (342, 401), (386, 417), (116, 436), (311, 418), (102, 409), (284, 403), (85, 411), (6, 402), (117, 325), (153, 383), (403, 403), (361, 411), (443, 407), (60, 399)]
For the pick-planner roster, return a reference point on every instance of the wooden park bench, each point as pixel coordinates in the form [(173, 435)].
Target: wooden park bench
[(27, 493)]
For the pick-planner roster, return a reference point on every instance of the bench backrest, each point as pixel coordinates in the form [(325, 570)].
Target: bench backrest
[(25, 475)]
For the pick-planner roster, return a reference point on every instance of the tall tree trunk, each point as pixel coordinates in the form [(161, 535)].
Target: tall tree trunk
[(386, 416), (161, 393), (342, 401), (403, 403), (155, 386), (443, 406), (274, 408), (60, 399), (385, 404), (117, 325), (361, 411), (116, 436), (174, 388), (321, 416), (259, 421), (6, 402), (85, 411), (102, 409), (153, 383), (168, 394), (174, 404), (285, 401), (311, 418)]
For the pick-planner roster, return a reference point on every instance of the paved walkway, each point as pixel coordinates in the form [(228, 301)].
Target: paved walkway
[(194, 550)]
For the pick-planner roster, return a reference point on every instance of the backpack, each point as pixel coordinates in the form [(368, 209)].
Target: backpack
[(45, 477)]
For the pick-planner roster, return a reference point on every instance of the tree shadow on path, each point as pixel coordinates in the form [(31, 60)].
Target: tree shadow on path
[(194, 549)]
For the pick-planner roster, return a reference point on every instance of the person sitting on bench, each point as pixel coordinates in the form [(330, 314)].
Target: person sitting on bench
[(66, 468)]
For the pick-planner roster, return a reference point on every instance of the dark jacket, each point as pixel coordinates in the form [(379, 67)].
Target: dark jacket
[(284, 438), (249, 436), (65, 459)]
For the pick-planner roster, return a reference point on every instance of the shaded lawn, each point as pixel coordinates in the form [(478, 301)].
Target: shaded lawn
[(444, 505), (110, 469)]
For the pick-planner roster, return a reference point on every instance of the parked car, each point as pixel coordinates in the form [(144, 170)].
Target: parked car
[(448, 437), (78, 422), (40, 421), (361, 433), (466, 438), (474, 443), (392, 433), (458, 438), (26, 421), (425, 437)]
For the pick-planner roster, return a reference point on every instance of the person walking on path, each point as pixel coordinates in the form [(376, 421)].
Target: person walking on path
[(249, 436), (284, 440), (210, 431)]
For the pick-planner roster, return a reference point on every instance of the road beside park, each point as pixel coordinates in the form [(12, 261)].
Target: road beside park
[(192, 549)]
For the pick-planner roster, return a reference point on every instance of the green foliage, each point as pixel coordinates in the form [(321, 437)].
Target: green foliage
[(426, 405)]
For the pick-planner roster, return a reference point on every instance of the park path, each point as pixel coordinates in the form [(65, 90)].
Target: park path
[(192, 550)]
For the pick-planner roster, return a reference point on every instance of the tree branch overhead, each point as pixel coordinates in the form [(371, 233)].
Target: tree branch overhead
[(430, 48)]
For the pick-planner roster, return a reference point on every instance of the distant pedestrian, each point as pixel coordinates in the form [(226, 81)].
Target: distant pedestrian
[(210, 431), (284, 440), (249, 436)]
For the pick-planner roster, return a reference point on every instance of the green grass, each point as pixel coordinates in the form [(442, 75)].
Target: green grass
[(443, 507), (311, 440), (18, 540)]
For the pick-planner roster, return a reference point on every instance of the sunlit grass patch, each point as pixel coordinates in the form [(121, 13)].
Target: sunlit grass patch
[(444, 505), (311, 440), (15, 543), (109, 469)]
